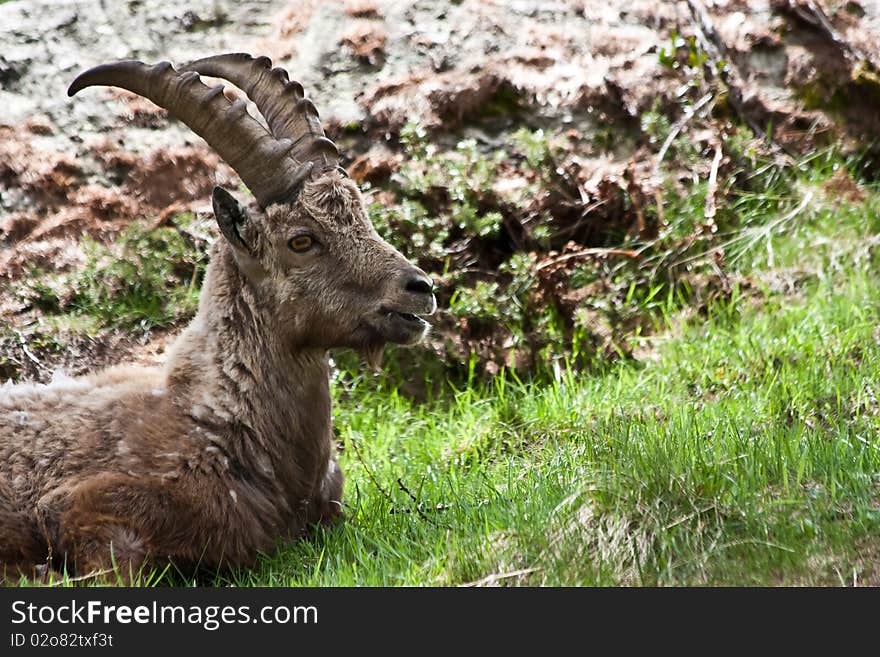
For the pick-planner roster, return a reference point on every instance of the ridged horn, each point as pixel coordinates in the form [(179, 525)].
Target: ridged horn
[(281, 101), (263, 163)]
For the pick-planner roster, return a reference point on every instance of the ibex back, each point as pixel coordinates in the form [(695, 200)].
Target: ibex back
[(228, 449)]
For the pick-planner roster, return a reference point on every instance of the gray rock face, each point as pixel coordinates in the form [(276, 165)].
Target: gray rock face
[(47, 42)]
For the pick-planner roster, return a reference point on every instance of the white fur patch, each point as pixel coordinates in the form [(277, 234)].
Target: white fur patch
[(60, 376)]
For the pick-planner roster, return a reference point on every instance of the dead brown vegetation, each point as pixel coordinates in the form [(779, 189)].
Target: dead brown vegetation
[(366, 41)]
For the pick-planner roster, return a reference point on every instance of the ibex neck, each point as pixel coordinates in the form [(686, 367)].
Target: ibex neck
[(231, 370)]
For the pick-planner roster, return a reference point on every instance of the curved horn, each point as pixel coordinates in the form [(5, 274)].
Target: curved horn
[(281, 101), (263, 163)]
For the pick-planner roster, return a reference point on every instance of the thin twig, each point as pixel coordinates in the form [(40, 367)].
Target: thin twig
[(415, 501), (636, 196), (658, 201), (585, 211), (677, 127), (588, 252), (82, 578), (24, 348), (712, 189), (369, 472), (687, 517), (755, 541), (439, 507), (387, 495), (495, 577)]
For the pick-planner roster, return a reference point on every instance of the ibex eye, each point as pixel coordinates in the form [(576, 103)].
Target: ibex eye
[(301, 243)]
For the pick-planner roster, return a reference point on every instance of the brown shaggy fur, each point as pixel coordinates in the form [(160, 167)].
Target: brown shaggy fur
[(228, 449)]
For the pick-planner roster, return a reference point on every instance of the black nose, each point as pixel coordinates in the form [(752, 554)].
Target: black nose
[(420, 284)]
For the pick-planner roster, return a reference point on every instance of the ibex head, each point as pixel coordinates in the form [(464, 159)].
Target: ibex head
[(309, 249)]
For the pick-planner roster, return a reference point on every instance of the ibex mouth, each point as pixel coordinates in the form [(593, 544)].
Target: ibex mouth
[(401, 326), (409, 317)]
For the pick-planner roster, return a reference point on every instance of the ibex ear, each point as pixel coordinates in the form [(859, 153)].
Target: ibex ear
[(237, 228), (232, 218)]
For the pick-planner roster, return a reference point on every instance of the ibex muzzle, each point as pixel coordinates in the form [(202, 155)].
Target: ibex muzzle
[(230, 447)]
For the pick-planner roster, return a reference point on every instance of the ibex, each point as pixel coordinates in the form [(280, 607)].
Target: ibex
[(228, 449)]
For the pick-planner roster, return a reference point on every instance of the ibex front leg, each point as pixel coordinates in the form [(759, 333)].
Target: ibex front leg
[(328, 506)]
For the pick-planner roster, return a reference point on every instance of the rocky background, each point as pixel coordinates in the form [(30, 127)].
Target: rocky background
[(562, 168)]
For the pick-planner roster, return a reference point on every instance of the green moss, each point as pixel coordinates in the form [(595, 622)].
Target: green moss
[(144, 278)]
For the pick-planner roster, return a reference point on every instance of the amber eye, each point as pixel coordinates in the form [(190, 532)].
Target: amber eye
[(301, 243)]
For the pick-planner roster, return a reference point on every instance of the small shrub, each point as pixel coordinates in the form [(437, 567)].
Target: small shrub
[(145, 278)]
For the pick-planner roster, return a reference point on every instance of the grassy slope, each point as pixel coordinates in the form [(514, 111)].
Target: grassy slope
[(744, 451)]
